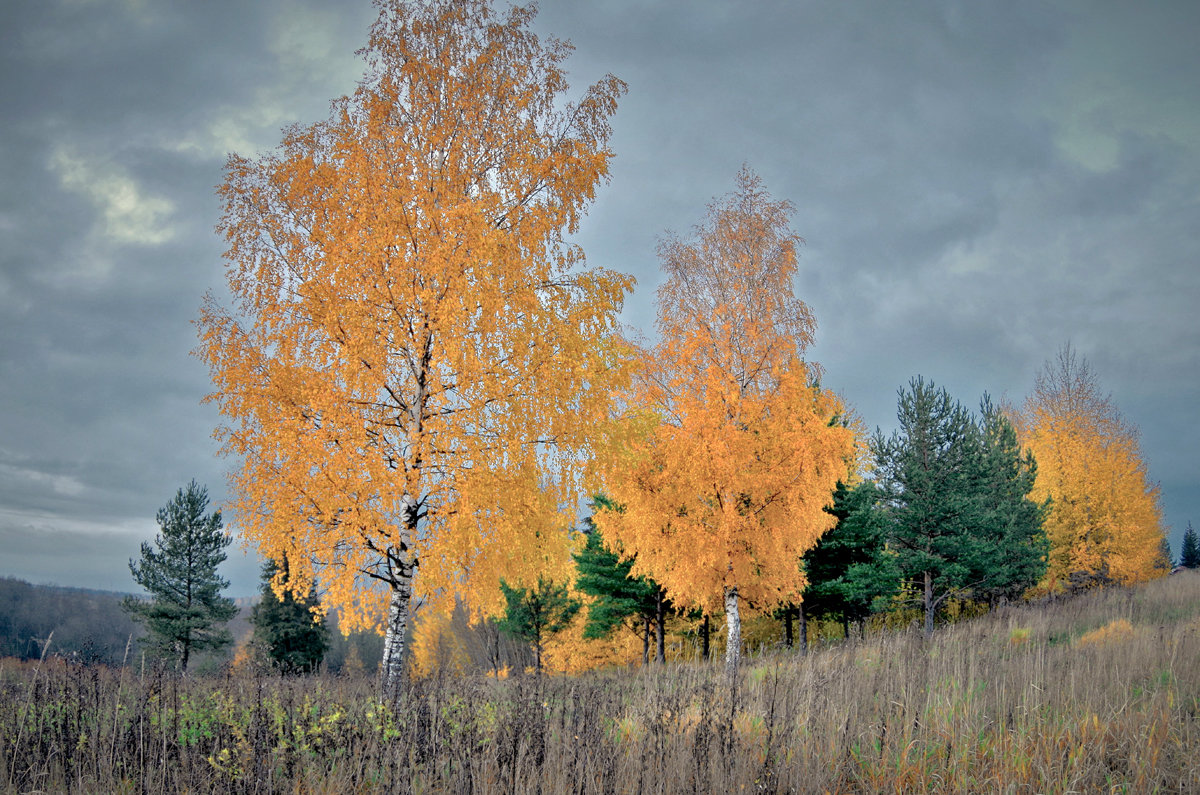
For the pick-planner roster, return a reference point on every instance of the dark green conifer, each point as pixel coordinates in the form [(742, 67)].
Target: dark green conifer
[(185, 612), (1189, 553), (534, 614), (960, 521), (293, 636), (619, 597), (850, 570), (1013, 546)]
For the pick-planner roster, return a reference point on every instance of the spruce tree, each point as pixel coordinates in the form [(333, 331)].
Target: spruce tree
[(1189, 553), (185, 612), (291, 633), (534, 614)]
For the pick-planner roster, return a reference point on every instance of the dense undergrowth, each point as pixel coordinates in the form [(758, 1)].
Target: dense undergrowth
[(1097, 693)]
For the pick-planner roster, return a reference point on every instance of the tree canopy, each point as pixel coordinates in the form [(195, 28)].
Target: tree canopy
[(1189, 551), (618, 595), (291, 629), (419, 366), (1104, 522), (850, 570), (727, 488), (960, 520), (534, 614)]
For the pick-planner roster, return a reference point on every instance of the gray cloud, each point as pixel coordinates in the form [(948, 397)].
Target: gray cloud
[(977, 184)]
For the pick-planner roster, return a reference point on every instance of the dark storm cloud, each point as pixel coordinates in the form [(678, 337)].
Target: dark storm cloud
[(118, 117), (977, 184)]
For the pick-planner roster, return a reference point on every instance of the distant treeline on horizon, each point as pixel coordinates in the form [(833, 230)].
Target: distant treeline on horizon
[(89, 626)]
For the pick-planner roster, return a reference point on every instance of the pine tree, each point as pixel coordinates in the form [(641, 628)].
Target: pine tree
[(186, 611), (1010, 523), (534, 614), (924, 469), (850, 569), (619, 596), (1189, 553), (290, 630), (961, 522)]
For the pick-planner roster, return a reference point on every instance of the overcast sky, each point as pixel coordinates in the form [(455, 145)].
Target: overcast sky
[(978, 183)]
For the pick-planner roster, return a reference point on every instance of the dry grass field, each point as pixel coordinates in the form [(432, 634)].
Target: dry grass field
[(1100, 693)]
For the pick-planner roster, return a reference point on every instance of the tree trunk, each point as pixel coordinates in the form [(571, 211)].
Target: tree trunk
[(645, 641), (392, 671), (803, 629), (733, 632), (660, 650), (928, 604), (788, 637), (704, 650), (400, 565)]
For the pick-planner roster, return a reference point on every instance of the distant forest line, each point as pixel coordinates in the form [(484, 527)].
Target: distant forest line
[(89, 626)]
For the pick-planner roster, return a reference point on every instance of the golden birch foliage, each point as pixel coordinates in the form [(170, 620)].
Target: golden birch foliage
[(569, 652), (1104, 513), (742, 451), (437, 648), (417, 365)]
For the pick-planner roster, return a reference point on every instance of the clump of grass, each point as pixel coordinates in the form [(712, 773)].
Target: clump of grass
[(968, 711), (1115, 630)]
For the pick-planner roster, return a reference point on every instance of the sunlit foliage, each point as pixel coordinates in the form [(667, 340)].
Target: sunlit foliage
[(417, 366), (437, 650), (1104, 523), (728, 488)]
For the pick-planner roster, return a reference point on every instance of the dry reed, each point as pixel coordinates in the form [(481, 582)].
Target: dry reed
[(1012, 702)]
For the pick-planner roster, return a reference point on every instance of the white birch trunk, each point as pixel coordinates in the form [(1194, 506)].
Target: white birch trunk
[(395, 640), (733, 632), (401, 566)]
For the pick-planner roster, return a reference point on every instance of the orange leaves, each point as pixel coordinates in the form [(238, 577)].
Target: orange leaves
[(741, 450), (1104, 520), (714, 501), (419, 366)]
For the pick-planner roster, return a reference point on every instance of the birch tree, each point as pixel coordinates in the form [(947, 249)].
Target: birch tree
[(417, 365), (727, 489), (1104, 523)]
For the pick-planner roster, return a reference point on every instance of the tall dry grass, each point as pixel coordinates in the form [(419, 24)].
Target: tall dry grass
[(1096, 694)]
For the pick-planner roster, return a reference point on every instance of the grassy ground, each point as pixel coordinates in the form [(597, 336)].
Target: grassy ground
[(1095, 694)]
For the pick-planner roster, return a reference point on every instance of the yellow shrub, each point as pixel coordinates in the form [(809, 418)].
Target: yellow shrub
[(571, 653)]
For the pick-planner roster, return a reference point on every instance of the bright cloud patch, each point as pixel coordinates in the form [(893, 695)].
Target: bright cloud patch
[(129, 215), (60, 485)]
